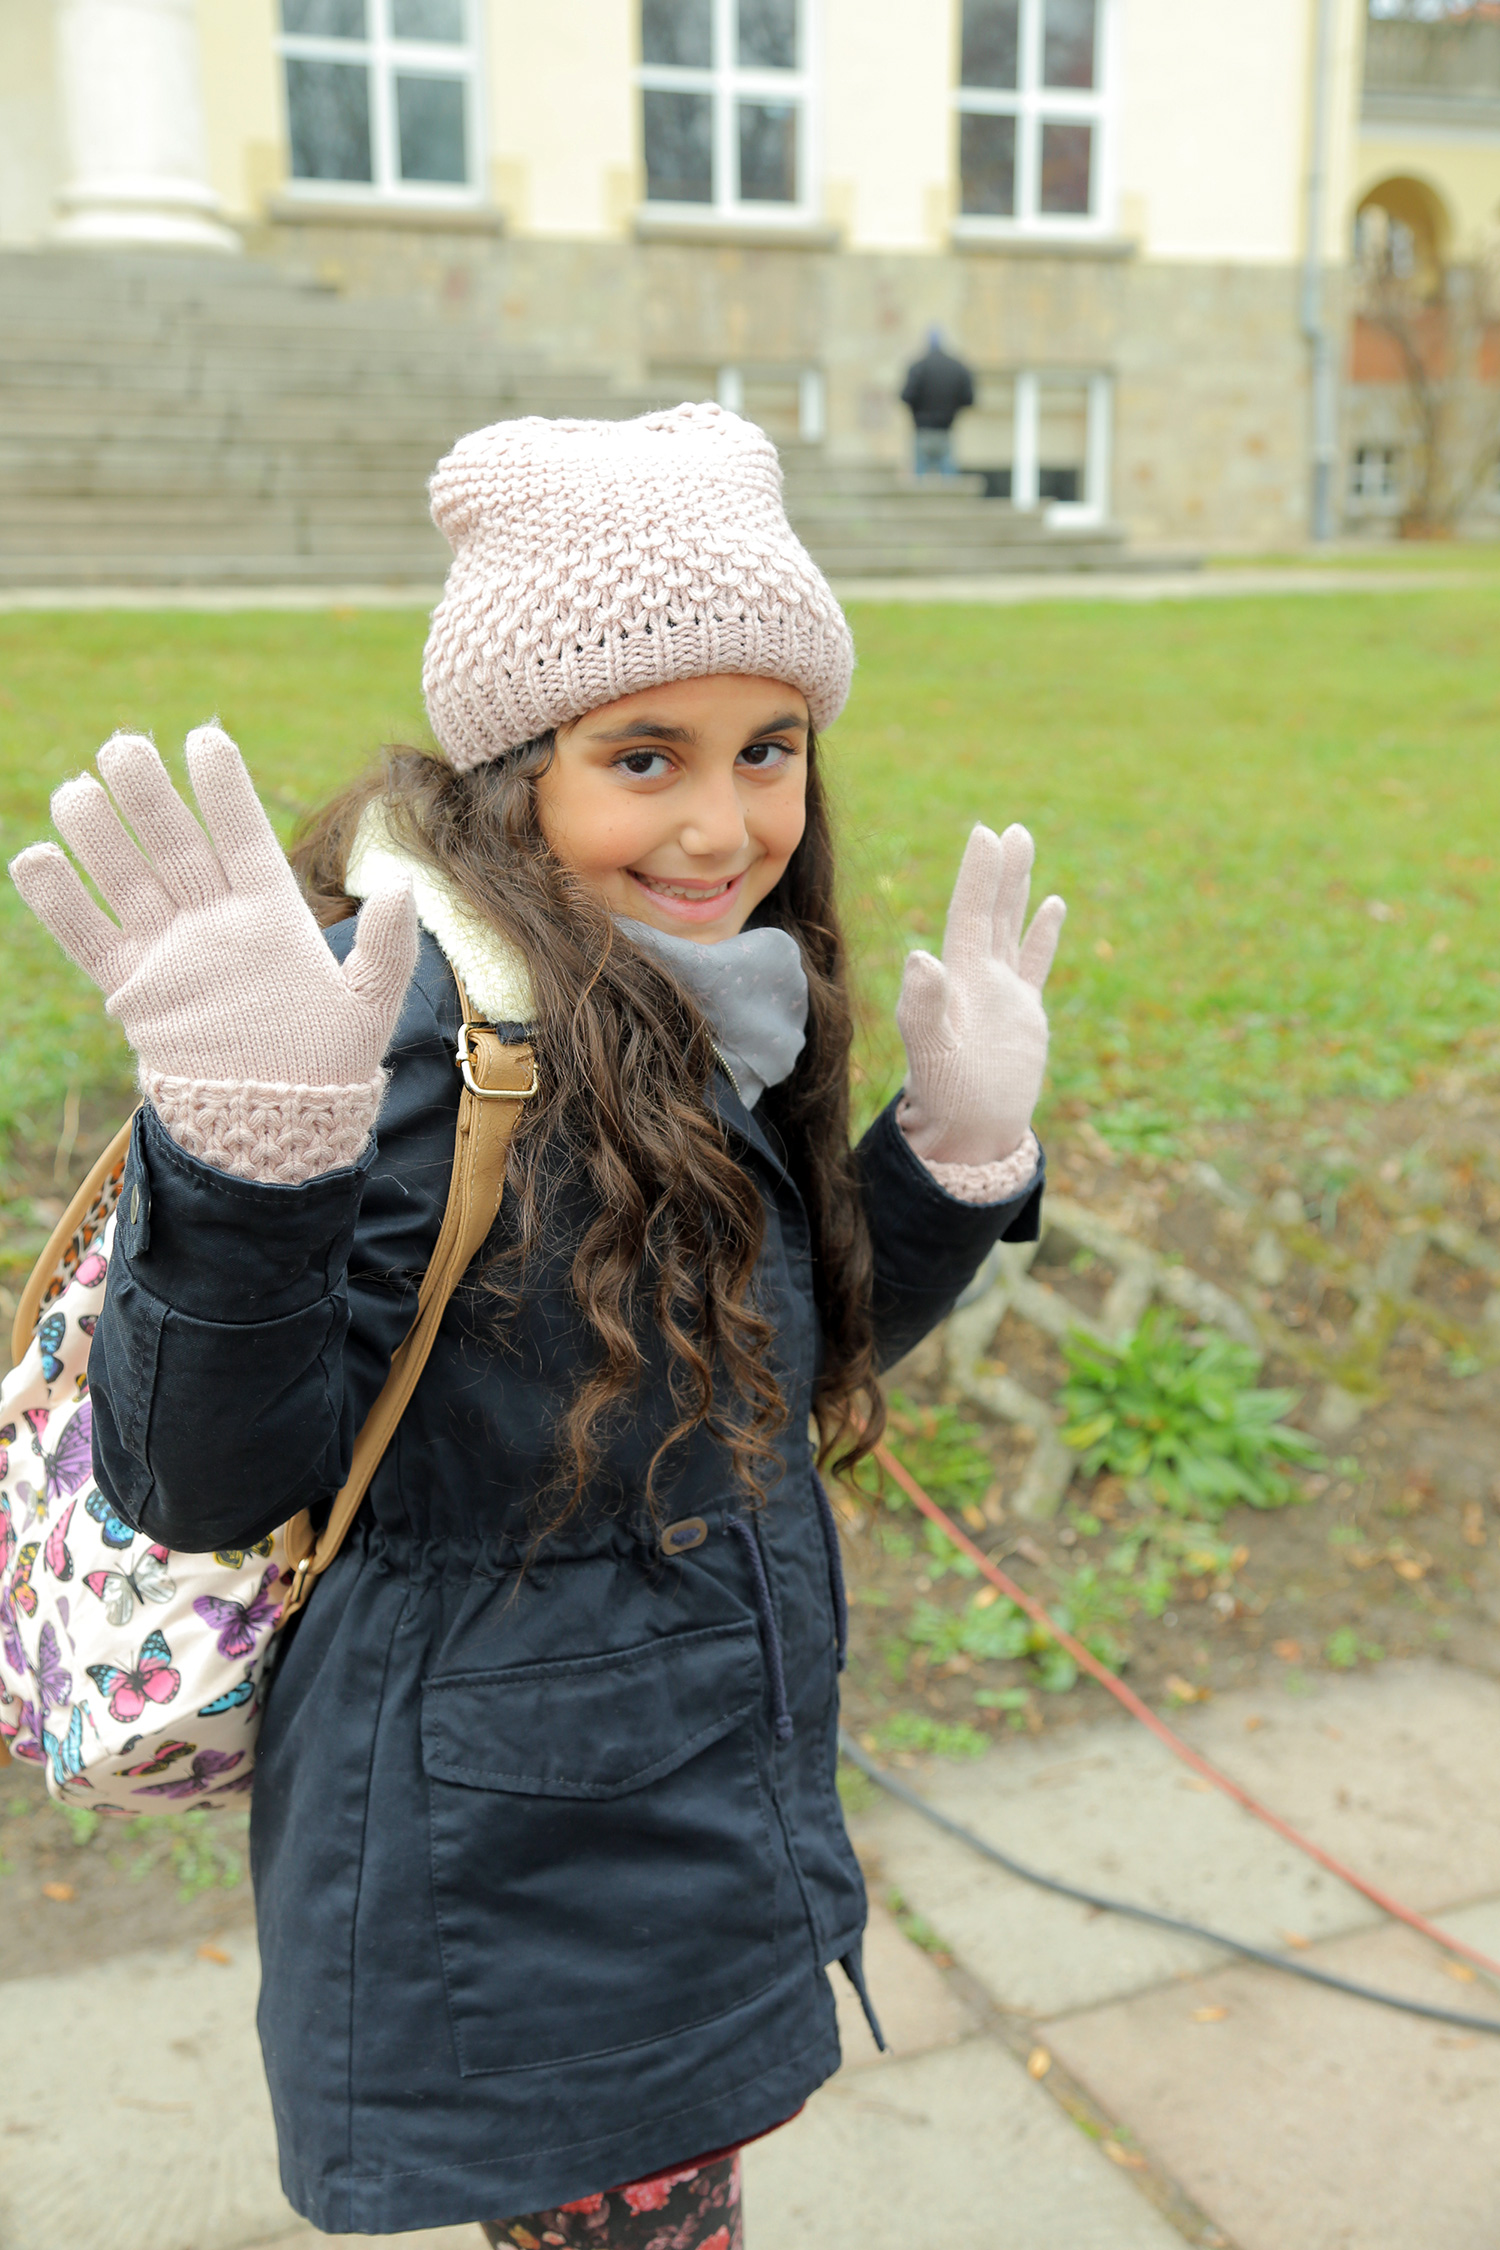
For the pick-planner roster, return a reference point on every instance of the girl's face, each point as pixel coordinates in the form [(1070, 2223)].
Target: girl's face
[(680, 806)]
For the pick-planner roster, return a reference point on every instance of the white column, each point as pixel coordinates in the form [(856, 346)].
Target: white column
[(1024, 463), (132, 103), (1096, 470)]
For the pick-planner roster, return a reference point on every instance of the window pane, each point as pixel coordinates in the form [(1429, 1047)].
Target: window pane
[(439, 20), (324, 19), (768, 152), (328, 110), (1067, 163), (679, 147), (991, 42), (678, 31), (987, 166), (430, 129), (768, 34), (1068, 43)]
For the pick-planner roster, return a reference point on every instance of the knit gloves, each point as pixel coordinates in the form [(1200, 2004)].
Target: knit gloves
[(259, 1052), (974, 1025)]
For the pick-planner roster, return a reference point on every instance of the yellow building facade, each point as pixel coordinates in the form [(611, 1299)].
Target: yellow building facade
[(1129, 216)]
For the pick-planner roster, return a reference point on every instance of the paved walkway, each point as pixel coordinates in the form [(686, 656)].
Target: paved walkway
[(1059, 2081), (1006, 589)]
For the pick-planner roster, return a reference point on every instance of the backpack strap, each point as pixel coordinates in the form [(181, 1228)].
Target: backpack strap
[(498, 1079), (83, 1204)]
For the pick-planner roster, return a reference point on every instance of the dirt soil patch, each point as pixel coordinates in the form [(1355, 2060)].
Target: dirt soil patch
[(1325, 1232)]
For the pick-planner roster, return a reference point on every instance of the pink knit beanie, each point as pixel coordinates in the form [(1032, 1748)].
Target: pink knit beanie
[(591, 559)]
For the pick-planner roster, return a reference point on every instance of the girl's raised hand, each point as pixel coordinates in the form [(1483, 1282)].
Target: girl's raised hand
[(974, 1025), (215, 967)]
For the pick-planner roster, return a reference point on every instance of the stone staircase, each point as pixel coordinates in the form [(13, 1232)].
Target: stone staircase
[(875, 521), (178, 421)]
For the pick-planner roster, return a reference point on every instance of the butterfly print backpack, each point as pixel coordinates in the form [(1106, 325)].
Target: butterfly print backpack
[(130, 1672)]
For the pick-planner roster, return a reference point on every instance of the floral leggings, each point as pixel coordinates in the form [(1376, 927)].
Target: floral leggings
[(697, 2208)]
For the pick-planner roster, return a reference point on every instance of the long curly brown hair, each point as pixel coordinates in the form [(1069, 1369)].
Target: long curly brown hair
[(624, 1057)]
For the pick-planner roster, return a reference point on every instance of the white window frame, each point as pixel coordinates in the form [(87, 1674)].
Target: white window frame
[(1385, 500), (385, 58), (812, 400), (1032, 105), (727, 83), (1026, 464)]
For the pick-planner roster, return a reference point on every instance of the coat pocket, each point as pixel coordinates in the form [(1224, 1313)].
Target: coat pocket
[(602, 1856)]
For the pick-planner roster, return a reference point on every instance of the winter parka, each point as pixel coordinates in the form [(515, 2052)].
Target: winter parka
[(547, 1853)]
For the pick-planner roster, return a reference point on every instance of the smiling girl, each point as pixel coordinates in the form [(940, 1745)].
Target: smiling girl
[(548, 1857)]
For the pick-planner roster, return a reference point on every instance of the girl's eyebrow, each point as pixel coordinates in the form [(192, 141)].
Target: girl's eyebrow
[(658, 730), (785, 722)]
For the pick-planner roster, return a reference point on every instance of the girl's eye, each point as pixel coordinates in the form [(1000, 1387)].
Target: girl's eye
[(765, 757), (643, 765)]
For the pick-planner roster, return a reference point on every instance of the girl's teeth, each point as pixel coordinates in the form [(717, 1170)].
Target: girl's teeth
[(674, 890)]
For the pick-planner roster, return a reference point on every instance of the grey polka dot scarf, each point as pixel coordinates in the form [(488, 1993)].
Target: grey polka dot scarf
[(753, 990)]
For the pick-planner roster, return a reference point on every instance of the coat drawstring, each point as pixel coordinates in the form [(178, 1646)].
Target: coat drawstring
[(835, 1570), (770, 1636)]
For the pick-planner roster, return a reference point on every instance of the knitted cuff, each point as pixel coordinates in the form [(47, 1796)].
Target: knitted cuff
[(989, 1183), (279, 1134)]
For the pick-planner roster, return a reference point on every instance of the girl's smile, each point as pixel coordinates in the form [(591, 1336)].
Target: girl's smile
[(682, 805)]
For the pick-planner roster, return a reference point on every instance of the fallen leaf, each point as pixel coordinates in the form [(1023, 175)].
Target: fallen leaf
[(60, 1892), (1104, 949), (1254, 1724), (985, 1596), (1290, 1652), (1183, 1691), (1460, 1971), (214, 1953), (1462, 2039), (1038, 2062), (1209, 2015), (1030, 1552), (1131, 2158), (1408, 1567), (1296, 1939), (1473, 1525), (973, 1517)]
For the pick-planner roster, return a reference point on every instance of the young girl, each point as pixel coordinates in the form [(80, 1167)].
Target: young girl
[(548, 1858)]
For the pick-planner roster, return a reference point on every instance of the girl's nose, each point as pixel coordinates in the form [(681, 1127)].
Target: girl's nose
[(715, 825)]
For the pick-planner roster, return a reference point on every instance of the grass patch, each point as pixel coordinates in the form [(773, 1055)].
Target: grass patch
[(1271, 817)]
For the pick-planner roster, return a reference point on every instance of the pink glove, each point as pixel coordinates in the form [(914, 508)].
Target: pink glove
[(258, 1050), (974, 1025)]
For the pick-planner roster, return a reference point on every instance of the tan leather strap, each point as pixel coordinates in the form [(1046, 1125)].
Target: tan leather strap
[(29, 1310), (497, 1081)]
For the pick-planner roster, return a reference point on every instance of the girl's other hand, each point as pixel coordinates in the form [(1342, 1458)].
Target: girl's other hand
[(215, 967), (973, 1023)]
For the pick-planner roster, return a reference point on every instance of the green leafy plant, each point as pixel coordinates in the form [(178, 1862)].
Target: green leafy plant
[(944, 1452), (942, 1555), (942, 1738), (1000, 1632), (1346, 1648), (1157, 1550), (1184, 1422)]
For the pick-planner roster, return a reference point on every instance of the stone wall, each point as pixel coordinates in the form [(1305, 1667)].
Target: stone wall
[(1210, 370)]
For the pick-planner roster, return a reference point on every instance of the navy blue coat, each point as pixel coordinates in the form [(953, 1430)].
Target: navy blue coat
[(549, 1861)]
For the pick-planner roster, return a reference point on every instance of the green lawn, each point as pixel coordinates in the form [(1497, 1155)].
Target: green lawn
[(1277, 820)]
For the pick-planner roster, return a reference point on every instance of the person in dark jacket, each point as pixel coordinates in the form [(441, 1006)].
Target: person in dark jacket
[(548, 1856), (938, 388)]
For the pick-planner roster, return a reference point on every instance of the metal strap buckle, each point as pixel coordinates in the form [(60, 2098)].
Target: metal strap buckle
[(464, 1057)]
